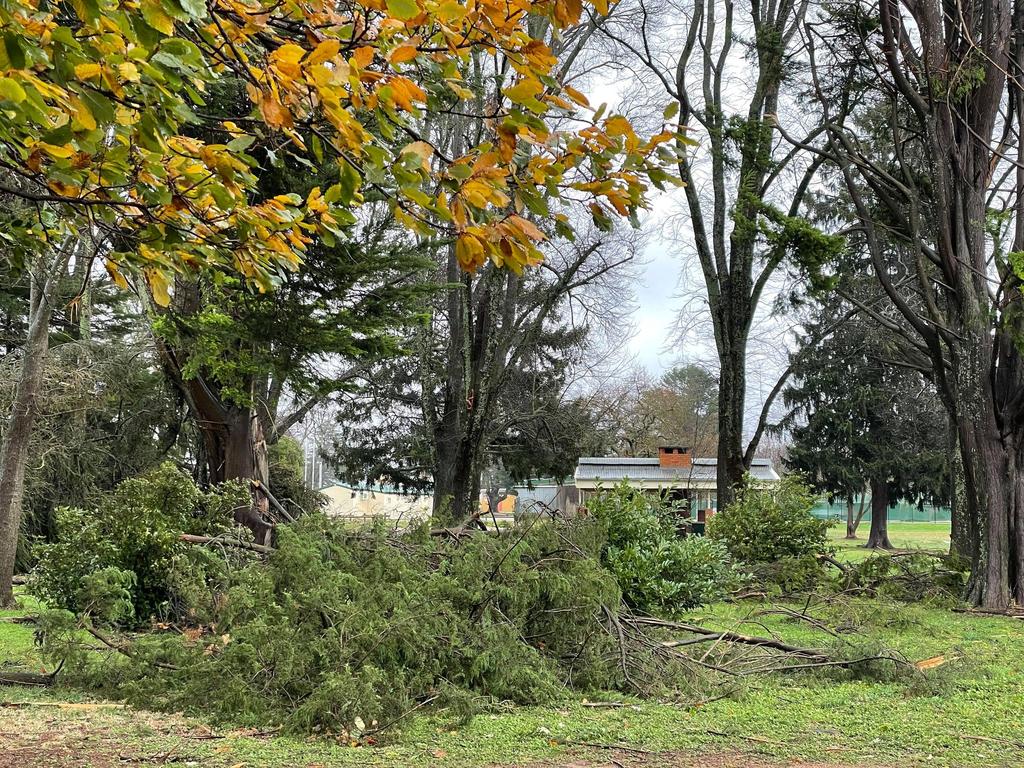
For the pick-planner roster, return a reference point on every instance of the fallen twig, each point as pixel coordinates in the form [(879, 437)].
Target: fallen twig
[(599, 745), (64, 704)]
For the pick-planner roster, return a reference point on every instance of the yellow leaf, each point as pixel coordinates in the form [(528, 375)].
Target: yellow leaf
[(567, 12), (158, 285), (116, 276), (274, 113), (405, 92), (527, 227), (576, 96), (328, 49), (155, 15), (53, 150), (88, 70), (469, 252), (451, 11), (286, 59), (422, 149), (617, 125), (524, 90), (128, 71)]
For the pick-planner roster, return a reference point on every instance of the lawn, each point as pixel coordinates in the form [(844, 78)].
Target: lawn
[(965, 714), (905, 536)]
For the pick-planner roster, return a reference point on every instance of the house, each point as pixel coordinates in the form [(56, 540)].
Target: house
[(360, 501), (675, 472)]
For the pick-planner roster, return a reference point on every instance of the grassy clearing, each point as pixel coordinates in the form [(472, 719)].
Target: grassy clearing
[(927, 536), (810, 717)]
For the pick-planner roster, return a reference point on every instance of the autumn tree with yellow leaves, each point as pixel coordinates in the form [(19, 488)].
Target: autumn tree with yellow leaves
[(102, 102)]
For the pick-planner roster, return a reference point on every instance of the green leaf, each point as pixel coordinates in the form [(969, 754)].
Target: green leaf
[(11, 90), (671, 110), (348, 183), (403, 9), (241, 143), (15, 50)]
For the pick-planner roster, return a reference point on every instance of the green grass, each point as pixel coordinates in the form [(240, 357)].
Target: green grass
[(933, 537), (807, 717)]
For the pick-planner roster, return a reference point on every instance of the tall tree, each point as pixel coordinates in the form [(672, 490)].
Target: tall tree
[(490, 384), (949, 186), (46, 271), (744, 206)]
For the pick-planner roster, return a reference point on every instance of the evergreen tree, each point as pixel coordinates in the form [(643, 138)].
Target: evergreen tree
[(858, 422)]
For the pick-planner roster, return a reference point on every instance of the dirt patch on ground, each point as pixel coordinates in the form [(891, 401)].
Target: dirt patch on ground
[(66, 735), (41, 735)]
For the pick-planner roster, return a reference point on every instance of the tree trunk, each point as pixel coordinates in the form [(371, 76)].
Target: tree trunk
[(878, 538), (853, 518), (236, 450), (731, 401), (233, 446), (17, 436), (991, 504), (961, 536)]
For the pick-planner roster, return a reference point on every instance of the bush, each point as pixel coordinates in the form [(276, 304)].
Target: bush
[(769, 528), (133, 532), (657, 571)]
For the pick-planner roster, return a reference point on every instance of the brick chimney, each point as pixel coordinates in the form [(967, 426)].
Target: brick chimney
[(674, 457)]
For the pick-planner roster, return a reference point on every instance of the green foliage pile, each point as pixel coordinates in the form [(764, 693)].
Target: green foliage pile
[(910, 577), (346, 631), (130, 540), (770, 530), (659, 572)]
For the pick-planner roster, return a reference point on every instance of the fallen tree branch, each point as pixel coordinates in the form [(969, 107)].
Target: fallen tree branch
[(193, 539), (708, 635), (273, 501)]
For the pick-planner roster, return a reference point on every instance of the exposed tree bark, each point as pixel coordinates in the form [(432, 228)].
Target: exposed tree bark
[(878, 538), (17, 435), (233, 446)]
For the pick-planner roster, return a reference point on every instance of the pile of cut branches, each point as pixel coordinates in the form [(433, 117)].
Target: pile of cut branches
[(350, 632)]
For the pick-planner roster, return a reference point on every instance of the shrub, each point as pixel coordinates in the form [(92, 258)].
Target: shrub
[(657, 571), (770, 529), (134, 531)]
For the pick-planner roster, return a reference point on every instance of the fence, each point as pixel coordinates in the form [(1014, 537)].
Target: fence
[(903, 512)]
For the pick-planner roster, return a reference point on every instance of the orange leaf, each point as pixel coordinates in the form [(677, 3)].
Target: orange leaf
[(403, 53), (364, 56)]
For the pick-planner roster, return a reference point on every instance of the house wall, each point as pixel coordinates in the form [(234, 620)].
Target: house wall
[(356, 503)]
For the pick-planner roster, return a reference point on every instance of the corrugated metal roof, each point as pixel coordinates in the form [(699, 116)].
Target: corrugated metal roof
[(611, 470)]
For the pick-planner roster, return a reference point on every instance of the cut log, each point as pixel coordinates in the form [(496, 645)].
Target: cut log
[(26, 677)]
